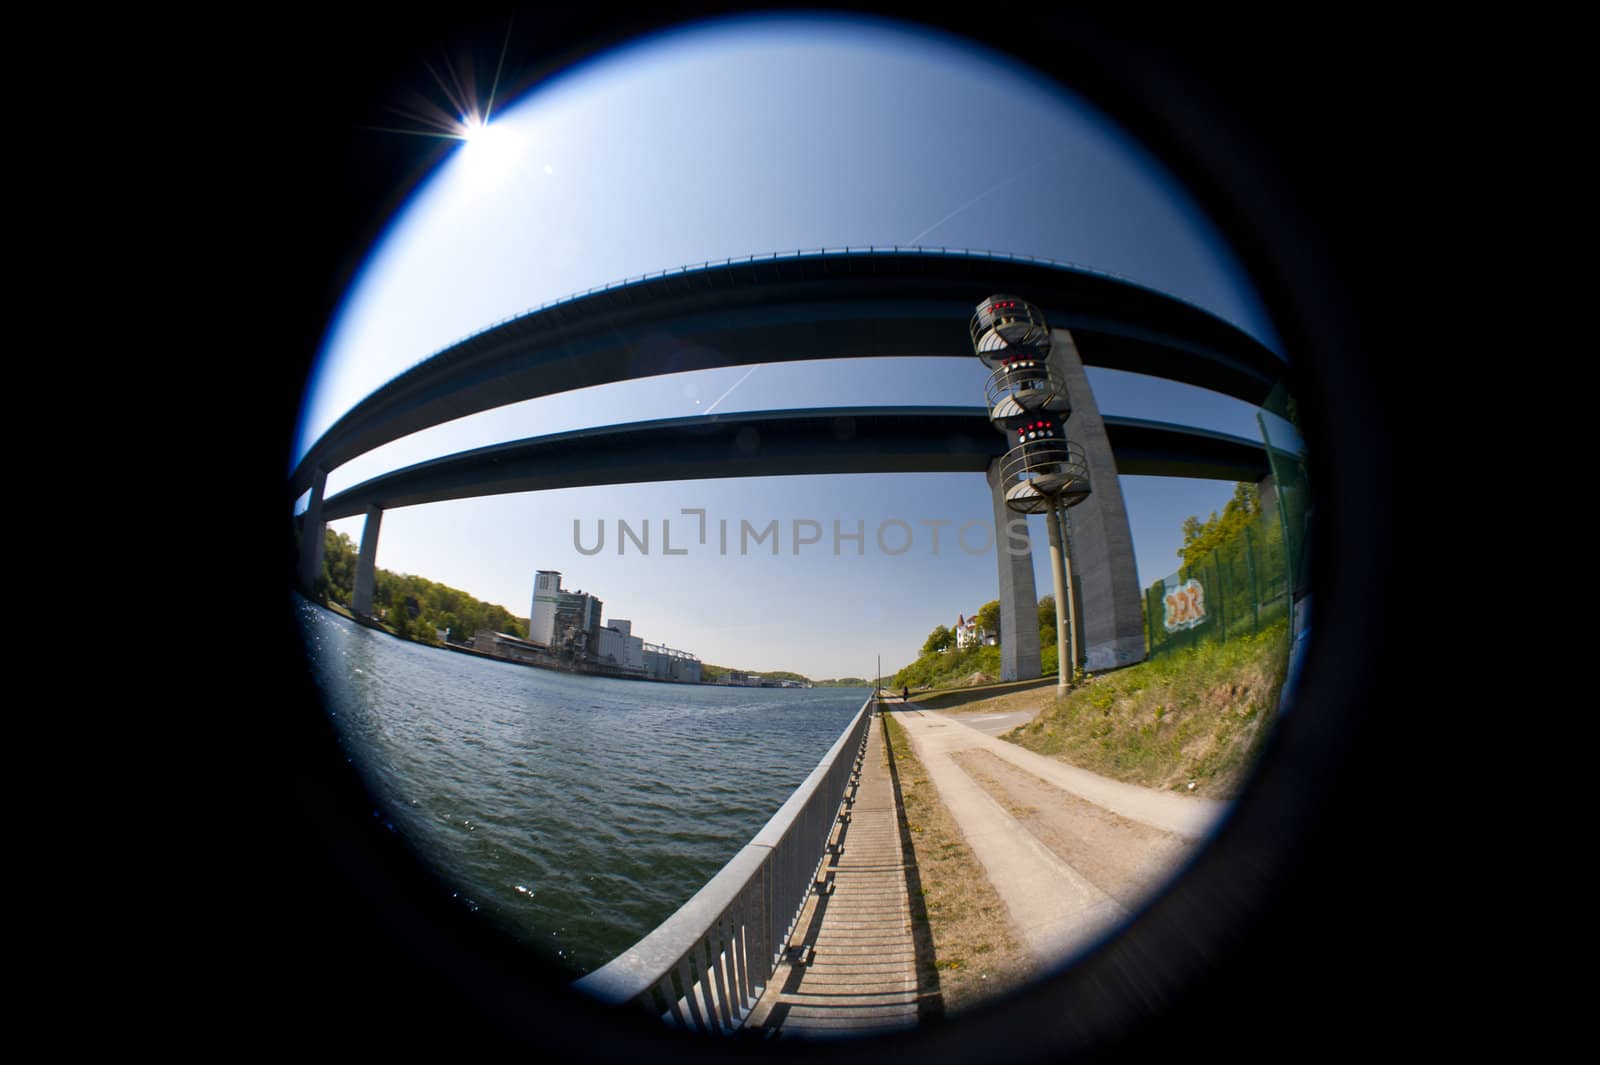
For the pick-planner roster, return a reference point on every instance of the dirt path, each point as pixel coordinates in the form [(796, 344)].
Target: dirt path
[(1069, 853), (1121, 857)]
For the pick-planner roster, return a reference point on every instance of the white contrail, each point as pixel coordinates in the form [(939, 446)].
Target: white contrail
[(969, 203), (736, 384)]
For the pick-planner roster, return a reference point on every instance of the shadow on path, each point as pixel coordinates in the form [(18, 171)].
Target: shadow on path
[(958, 697), (930, 1001)]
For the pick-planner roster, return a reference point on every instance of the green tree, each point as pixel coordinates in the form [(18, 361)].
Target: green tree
[(1200, 538), (778, 674), (1047, 633), (339, 564), (939, 639), (413, 607), (989, 617), (384, 585)]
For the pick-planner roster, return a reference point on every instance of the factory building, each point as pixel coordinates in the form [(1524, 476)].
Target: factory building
[(664, 663), (561, 620), (569, 625), (619, 648), (542, 618)]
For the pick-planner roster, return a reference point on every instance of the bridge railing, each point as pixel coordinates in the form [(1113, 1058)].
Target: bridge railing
[(705, 966)]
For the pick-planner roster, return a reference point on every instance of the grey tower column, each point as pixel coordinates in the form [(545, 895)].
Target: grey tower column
[(1269, 494), (1097, 530), (311, 533), (1019, 606), (366, 565)]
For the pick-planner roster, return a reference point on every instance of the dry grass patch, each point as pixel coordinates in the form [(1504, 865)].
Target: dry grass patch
[(976, 954)]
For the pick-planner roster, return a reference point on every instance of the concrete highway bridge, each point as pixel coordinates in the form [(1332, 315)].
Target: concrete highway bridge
[(846, 303), (777, 443)]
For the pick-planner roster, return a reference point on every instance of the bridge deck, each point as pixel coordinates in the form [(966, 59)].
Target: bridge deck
[(861, 977)]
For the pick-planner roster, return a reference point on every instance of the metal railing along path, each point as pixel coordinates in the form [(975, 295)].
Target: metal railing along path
[(705, 966)]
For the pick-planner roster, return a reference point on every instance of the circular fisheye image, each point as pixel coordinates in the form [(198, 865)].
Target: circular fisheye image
[(802, 523)]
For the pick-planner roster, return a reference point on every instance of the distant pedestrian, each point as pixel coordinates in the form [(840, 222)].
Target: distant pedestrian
[(905, 694)]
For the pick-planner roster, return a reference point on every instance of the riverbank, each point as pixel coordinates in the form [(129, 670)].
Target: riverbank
[(553, 667)]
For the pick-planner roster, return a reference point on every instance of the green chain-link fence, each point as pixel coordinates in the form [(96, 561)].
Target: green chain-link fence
[(1239, 588), (1248, 582)]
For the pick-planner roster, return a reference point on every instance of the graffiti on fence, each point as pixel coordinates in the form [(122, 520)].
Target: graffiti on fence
[(1186, 606)]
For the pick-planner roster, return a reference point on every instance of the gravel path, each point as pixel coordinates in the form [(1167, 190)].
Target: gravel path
[(1069, 852)]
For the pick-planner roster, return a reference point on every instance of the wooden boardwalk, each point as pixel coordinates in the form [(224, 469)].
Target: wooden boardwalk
[(851, 966)]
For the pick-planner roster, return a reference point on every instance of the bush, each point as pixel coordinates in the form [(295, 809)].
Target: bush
[(946, 668)]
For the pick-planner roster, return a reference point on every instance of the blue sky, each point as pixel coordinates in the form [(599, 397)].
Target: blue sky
[(749, 137)]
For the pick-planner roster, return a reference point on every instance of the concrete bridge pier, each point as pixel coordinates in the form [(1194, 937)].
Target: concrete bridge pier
[(366, 564), (1269, 493), (1019, 606), (1106, 579), (311, 533)]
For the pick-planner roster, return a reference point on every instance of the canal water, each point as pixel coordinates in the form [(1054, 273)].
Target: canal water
[(575, 812)]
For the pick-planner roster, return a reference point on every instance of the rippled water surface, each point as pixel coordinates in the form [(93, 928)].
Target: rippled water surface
[(576, 812)]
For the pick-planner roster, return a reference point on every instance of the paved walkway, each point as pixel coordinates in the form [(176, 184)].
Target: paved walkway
[(853, 968), (1054, 907), (990, 724), (852, 963)]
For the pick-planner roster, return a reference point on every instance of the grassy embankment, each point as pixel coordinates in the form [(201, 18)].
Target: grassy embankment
[(1194, 716), (953, 668), (940, 669), (974, 952)]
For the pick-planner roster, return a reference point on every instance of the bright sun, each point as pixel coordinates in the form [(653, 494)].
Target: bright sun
[(484, 139), (489, 149)]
